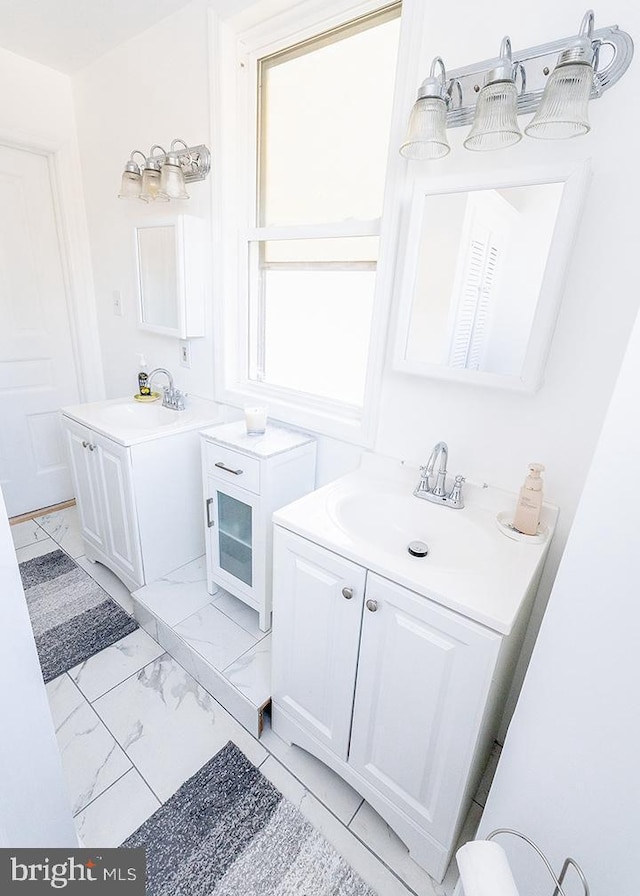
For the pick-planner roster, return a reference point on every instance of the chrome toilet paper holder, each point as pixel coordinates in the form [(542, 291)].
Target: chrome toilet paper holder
[(471, 883)]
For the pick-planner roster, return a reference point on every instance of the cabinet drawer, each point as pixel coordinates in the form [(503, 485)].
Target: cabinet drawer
[(232, 466)]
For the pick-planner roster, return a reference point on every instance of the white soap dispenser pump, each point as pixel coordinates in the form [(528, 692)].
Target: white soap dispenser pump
[(529, 504)]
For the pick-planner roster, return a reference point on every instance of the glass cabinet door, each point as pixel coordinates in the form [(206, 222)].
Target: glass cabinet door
[(235, 551)]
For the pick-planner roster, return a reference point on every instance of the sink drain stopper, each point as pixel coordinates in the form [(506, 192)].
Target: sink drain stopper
[(418, 549)]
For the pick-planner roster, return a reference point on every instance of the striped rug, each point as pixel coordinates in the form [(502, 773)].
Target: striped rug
[(228, 832), (71, 615)]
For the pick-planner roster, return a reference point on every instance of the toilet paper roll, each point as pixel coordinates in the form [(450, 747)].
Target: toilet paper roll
[(484, 869)]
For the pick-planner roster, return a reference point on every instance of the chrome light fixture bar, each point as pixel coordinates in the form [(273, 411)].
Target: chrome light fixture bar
[(611, 55), (162, 175)]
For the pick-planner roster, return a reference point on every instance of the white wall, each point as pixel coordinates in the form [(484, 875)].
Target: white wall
[(492, 435), (569, 775), (151, 89), (155, 87), (34, 808)]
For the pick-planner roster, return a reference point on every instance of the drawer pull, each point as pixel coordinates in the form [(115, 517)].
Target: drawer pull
[(228, 469), (347, 592), (210, 522)]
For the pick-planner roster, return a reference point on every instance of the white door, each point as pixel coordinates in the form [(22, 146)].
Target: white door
[(37, 370), (423, 677), (317, 608)]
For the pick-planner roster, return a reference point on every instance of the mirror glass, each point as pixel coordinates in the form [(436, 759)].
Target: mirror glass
[(482, 274), (481, 260), (158, 277)]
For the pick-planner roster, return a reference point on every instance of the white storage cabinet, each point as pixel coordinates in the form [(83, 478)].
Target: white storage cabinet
[(390, 689), (139, 505), (246, 478)]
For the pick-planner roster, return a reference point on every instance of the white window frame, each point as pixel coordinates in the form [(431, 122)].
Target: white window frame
[(237, 45)]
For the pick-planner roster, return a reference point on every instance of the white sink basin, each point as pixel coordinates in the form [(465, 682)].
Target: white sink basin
[(128, 421), (371, 516), (136, 415), (390, 521)]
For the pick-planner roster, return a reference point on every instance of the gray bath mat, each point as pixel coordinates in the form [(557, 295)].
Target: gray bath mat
[(71, 615), (228, 832)]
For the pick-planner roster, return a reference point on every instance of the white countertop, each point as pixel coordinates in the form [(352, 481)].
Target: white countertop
[(275, 440), (472, 567)]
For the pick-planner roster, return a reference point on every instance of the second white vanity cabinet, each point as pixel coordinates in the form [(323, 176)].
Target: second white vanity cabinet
[(389, 689), (136, 475)]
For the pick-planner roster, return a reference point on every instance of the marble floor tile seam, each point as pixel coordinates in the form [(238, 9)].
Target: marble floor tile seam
[(262, 635), (124, 750), (102, 792), (159, 618), (115, 739), (240, 655)]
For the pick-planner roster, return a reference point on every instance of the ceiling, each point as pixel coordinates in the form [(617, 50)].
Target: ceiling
[(68, 34)]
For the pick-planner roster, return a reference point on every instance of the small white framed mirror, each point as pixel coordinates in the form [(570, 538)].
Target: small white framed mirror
[(484, 267), (169, 257)]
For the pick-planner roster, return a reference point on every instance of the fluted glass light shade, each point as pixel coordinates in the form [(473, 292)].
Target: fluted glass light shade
[(427, 130), (131, 185), (151, 183), (564, 108), (495, 124), (172, 180)]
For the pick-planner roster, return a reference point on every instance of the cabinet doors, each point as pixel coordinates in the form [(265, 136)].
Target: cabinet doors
[(233, 537), (120, 522), (87, 488), (104, 494), (317, 610), (423, 677)]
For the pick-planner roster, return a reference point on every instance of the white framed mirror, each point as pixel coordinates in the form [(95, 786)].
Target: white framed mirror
[(169, 258), (482, 274)]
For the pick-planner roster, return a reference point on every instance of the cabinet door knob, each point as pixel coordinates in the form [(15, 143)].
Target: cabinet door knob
[(372, 605), (347, 592), (85, 444), (92, 447)]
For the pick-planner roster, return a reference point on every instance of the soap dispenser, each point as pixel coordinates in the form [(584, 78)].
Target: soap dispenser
[(529, 504), (144, 388)]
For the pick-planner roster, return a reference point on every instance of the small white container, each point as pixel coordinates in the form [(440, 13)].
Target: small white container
[(256, 420)]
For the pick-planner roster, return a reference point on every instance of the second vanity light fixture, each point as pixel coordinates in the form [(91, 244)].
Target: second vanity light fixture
[(161, 176), (491, 94)]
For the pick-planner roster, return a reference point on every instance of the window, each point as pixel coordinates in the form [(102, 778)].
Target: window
[(321, 135)]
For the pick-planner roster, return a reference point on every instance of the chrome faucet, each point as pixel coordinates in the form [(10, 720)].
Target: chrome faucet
[(171, 397), (433, 484)]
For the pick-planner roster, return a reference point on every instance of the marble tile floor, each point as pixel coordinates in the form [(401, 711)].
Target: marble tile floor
[(133, 724), (216, 638)]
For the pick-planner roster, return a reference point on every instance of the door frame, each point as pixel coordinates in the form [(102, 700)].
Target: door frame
[(63, 159)]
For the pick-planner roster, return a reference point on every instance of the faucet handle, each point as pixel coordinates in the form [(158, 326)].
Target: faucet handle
[(455, 495)]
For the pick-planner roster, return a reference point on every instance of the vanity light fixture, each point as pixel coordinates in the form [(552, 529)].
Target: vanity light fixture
[(488, 93), (162, 175)]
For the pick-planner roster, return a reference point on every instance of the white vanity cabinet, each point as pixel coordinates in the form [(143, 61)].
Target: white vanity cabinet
[(391, 690), (247, 477), (138, 490)]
